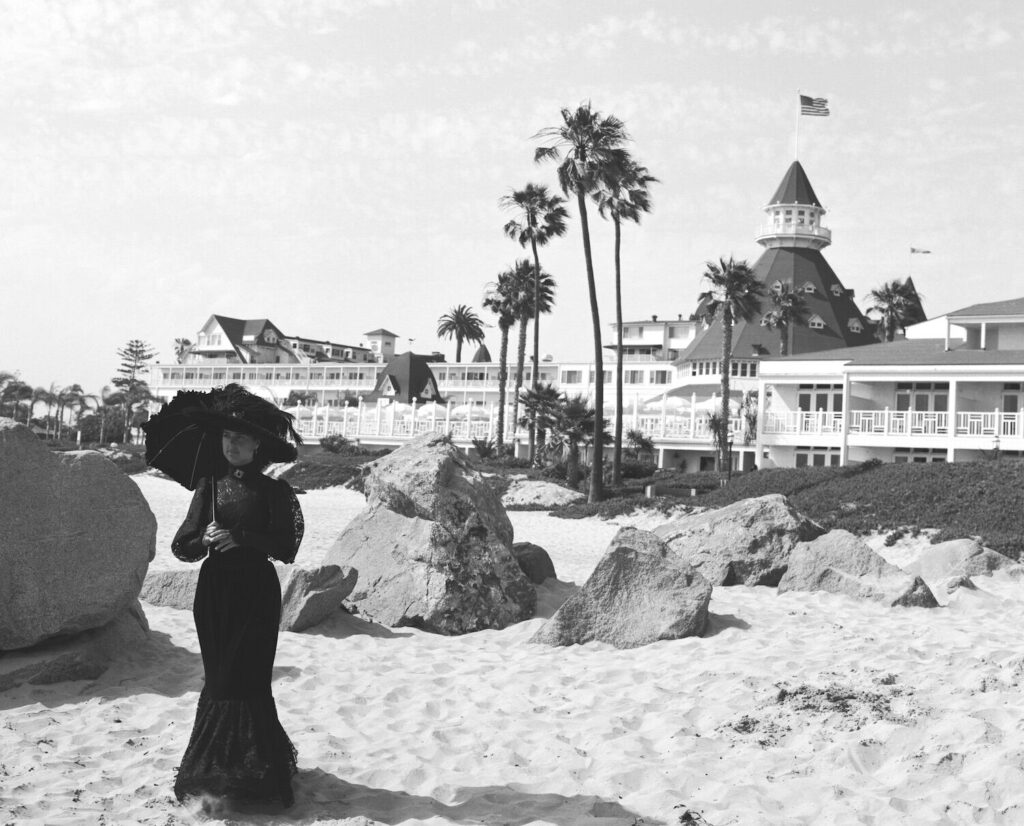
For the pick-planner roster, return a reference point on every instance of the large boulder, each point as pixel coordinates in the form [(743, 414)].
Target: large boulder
[(840, 563), (745, 543), (76, 538), (433, 546), (308, 595), (639, 593), (83, 656)]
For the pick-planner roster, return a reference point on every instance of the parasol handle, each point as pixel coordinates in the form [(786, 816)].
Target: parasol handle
[(213, 498)]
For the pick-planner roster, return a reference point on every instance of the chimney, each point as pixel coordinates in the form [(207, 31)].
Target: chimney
[(654, 318), (680, 316)]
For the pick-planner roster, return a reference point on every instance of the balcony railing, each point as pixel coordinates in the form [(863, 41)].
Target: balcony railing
[(895, 423), (806, 230)]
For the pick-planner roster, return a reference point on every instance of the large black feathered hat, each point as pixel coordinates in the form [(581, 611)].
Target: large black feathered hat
[(235, 408)]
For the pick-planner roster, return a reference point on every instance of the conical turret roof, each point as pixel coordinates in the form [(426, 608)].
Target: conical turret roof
[(825, 300), (795, 188)]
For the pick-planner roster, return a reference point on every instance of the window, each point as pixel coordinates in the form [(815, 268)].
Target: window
[(606, 376), (572, 377), (476, 375), (837, 291), (855, 325), (659, 377), (808, 288), (815, 323), (625, 332), (633, 377)]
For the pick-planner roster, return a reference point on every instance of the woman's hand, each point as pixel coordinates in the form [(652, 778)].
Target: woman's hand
[(220, 539)]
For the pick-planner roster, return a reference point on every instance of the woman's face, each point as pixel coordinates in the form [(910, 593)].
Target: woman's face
[(239, 448)]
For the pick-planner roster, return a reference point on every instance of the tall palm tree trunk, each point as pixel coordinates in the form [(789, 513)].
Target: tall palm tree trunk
[(458, 349), (617, 449), (502, 380), (596, 469), (723, 443), (520, 362), (534, 431)]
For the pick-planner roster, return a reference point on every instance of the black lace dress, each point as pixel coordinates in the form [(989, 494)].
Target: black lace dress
[(238, 748)]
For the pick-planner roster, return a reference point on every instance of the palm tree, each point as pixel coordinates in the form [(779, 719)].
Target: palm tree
[(526, 290), (540, 404), (788, 309), (733, 293), (497, 299), (541, 218), (622, 195), (462, 324), (42, 395), (69, 399), (181, 348), (573, 424), (591, 142), (896, 306), (639, 443)]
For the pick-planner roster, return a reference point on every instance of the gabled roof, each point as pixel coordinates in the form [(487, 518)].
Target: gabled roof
[(381, 332), (909, 352), (1014, 306), (796, 267), (238, 329), (795, 188), (482, 355), (405, 378)]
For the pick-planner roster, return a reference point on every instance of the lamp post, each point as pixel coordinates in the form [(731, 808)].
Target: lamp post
[(728, 471), (995, 447)]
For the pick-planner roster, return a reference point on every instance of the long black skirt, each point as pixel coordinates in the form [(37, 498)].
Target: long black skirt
[(238, 748)]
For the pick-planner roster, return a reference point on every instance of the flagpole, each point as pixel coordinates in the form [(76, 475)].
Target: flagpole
[(796, 154)]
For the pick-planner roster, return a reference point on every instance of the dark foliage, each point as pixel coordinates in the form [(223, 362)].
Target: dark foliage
[(984, 499), (335, 443)]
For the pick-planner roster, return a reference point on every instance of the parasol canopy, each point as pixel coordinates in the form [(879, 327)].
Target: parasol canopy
[(183, 439), (179, 445)]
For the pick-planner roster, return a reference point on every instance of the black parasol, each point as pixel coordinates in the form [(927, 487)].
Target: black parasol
[(180, 445)]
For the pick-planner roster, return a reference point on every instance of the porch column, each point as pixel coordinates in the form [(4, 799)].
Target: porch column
[(951, 429), (844, 449), (984, 334), (448, 417), (762, 392)]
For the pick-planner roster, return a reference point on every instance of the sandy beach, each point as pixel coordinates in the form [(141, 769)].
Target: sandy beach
[(791, 709)]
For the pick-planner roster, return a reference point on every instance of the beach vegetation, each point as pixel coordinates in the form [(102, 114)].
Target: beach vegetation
[(585, 144), (733, 294), (540, 217), (463, 324), (621, 195), (499, 298)]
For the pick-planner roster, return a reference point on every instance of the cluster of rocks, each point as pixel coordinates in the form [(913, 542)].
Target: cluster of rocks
[(432, 549), (656, 585)]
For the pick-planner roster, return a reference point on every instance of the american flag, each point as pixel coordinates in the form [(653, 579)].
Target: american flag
[(919, 251), (813, 106)]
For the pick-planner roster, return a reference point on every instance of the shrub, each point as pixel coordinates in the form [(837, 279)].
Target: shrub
[(485, 447), (637, 470), (334, 443)]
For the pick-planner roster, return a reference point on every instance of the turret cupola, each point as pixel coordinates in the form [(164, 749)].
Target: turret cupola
[(794, 215)]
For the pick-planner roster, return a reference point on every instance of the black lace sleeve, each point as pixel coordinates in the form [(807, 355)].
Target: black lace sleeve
[(285, 526), (286, 521), (188, 541)]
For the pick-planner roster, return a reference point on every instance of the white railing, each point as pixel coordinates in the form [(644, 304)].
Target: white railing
[(800, 421), (369, 422), (794, 229), (895, 423)]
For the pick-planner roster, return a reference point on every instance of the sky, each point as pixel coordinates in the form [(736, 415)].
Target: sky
[(336, 167)]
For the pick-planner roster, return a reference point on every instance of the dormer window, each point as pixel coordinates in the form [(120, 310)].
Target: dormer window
[(816, 323), (837, 291), (808, 288), (777, 287), (855, 326)]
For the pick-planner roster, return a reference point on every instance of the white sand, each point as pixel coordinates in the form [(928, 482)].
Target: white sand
[(888, 716)]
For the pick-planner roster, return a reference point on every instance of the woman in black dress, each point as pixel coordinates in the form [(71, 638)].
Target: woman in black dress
[(240, 519)]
